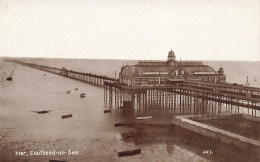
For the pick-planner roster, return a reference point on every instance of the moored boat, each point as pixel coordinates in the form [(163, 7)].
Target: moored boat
[(106, 111), (144, 117), (129, 153), (10, 77), (82, 95), (66, 116)]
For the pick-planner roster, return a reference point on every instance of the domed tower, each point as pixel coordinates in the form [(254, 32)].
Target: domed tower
[(221, 71), (171, 55), (221, 75), (171, 58)]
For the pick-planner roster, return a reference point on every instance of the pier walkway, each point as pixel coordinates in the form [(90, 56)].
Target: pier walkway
[(80, 76)]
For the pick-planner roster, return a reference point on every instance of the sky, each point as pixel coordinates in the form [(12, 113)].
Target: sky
[(131, 29)]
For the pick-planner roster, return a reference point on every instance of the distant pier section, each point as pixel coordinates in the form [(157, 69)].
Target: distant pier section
[(80, 76)]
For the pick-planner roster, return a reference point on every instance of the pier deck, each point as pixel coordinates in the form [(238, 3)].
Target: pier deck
[(196, 91)]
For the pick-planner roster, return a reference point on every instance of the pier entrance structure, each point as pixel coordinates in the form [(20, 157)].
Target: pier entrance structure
[(189, 86), (154, 73)]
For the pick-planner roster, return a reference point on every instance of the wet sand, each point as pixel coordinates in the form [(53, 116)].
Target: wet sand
[(158, 141), (95, 149)]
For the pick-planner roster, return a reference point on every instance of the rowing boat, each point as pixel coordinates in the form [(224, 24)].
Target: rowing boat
[(144, 117)]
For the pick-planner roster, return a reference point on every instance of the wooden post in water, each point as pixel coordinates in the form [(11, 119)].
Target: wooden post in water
[(175, 100), (180, 101), (115, 96), (203, 104), (104, 93), (231, 105)]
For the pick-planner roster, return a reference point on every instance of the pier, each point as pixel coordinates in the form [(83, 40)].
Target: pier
[(90, 78), (188, 96)]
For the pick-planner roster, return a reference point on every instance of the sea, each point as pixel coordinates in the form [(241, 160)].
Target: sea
[(32, 91)]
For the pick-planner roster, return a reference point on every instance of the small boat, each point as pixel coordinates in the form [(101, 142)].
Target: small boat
[(144, 117), (66, 116), (106, 111), (120, 124), (76, 89), (82, 95), (129, 153), (10, 77), (56, 161), (41, 112), (68, 92)]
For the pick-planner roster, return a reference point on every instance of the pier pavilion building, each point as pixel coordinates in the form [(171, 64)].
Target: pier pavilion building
[(171, 71)]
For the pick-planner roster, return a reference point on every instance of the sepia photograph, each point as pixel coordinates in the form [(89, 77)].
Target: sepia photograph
[(130, 80)]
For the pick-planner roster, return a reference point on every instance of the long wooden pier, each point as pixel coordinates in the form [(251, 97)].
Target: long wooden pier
[(80, 76), (190, 97)]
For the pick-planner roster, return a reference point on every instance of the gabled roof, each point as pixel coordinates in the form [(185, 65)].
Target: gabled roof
[(165, 70), (192, 70)]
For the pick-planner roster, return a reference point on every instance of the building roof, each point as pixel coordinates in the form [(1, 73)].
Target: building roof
[(164, 63), (127, 70), (167, 68), (200, 69), (130, 70)]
